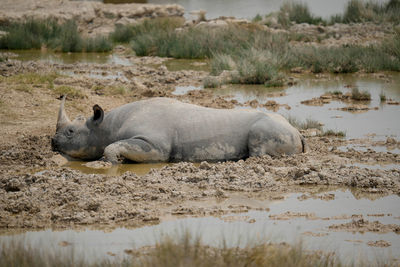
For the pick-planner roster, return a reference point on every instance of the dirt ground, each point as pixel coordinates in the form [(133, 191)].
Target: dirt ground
[(37, 192)]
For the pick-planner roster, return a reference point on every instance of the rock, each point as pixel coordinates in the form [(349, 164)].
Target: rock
[(125, 21), (59, 160), (297, 70), (392, 102), (204, 165), (311, 132), (13, 185), (98, 165), (213, 24)]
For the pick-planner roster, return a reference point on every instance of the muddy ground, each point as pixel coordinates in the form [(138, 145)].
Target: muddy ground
[(37, 192)]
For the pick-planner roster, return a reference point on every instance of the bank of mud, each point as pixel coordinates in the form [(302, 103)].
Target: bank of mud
[(61, 197)]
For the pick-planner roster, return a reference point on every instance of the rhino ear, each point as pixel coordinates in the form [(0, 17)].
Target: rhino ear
[(98, 114)]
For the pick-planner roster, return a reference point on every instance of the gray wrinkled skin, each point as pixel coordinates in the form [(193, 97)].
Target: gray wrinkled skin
[(166, 130)]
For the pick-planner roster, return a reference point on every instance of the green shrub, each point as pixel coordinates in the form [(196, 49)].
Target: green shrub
[(98, 44), (211, 82), (36, 33), (257, 18), (222, 62), (29, 34), (126, 33)]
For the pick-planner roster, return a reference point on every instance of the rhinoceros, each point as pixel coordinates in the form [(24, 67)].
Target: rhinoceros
[(167, 130)]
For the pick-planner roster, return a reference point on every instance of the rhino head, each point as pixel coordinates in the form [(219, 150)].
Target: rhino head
[(80, 138)]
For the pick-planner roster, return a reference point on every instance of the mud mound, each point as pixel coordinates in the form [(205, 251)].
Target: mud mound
[(63, 197), (29, 151)]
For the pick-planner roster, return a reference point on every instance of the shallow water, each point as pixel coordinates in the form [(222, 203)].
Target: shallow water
[(187, 64), (379, 123), (69, 58), (137, 168), (246, 9), (365, 148), (182, 90), (95, 244)]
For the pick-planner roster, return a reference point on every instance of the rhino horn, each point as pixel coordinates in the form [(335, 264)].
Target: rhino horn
[(62, 115)]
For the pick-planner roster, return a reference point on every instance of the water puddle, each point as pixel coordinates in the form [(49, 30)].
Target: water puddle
[(116, 170), (182, 90), (365, 148), (308, 217), (187, 64), (378, 123), (249, 9), (381, 166), (70, 58)]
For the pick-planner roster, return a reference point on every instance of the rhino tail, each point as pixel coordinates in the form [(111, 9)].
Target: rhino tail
[(303, 144)]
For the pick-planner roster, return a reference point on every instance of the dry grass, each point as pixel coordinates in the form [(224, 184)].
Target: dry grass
[(183, 251)]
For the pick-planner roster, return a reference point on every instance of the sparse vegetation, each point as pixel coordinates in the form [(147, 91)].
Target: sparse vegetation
[(24, 88), (296, 12), (330, 132), (257, 56), (257, 18), (126, 33), (211, 82), (68, 90), (358, 95), (335, 92), (375, 11), (382, 96), (110, 90), (36, 33), (24, 80), (181, 251)]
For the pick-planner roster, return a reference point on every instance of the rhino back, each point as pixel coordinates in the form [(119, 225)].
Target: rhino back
[(190, 132)]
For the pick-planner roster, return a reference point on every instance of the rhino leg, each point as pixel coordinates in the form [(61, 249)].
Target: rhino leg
[(269, 138), (134, 149)]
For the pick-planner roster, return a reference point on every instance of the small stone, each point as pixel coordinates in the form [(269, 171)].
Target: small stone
[(204, 165)]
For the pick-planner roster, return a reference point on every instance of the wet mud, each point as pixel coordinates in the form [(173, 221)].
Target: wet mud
[(40, 189)]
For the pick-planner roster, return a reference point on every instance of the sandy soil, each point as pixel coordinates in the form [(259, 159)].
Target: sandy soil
[(36, 192)]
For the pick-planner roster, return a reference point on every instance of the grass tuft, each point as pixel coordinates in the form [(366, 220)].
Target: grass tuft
[(382, 96), (296, 12), (110, 90), (211, 82), (330, 132), (69, 90), (358, 95)]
